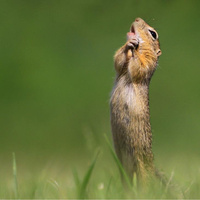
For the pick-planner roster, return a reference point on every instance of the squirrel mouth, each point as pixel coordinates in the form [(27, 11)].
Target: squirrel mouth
[(131, 34), (132, 29)]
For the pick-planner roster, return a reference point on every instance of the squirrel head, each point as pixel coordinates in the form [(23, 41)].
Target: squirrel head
[(143, 57)]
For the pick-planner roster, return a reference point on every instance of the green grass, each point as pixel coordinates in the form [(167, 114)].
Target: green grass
[(97, 178), (15, 177)]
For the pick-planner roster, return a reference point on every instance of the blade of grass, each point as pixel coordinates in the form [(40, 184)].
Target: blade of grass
[(82, 191), (76, 178), (54, 184), (134, 180), (15, 177), (108, 187), (167, 185), (121, 169)]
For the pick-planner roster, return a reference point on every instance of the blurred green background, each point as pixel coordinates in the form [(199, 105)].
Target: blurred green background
[(56, 75)]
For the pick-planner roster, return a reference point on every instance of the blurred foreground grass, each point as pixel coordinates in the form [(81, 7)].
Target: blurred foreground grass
[(56, 74), (95, 177)]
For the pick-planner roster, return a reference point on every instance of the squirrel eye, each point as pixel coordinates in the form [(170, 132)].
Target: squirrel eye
[(153, 33)]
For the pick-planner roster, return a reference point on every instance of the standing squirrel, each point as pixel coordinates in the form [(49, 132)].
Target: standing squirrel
[(135, 63)]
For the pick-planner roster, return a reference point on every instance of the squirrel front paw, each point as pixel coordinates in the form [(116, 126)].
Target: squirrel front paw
[(132, 44)]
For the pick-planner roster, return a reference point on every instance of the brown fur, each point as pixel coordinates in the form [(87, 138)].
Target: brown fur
[(135, 63)]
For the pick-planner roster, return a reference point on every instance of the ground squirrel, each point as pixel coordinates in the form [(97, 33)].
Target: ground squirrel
[(135, 63)]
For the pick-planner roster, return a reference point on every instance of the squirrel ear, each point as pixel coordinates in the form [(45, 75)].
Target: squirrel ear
[(159, 52)]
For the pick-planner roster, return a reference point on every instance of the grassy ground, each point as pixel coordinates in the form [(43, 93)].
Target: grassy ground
[(96, 176)]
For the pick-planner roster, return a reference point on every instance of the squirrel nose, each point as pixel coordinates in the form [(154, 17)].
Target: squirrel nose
[(137, 19)]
